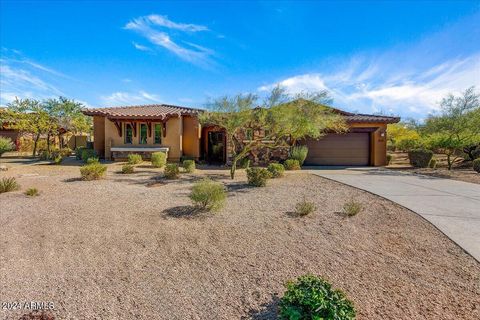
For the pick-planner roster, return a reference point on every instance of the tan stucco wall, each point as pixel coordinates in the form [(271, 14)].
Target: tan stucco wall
[(191, 137), (172, 140), (99, 135), (378, 143)]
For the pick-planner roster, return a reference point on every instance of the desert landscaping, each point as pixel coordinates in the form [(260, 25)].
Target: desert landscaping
[(132, 246)]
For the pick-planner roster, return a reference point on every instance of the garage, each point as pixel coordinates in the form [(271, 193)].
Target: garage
[(350, 149)]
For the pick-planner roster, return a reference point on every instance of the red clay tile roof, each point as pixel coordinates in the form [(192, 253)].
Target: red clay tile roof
[(161, 111), (152, 111)]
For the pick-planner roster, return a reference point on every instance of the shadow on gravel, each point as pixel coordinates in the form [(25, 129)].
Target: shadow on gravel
[(38, 315), (73, 179), (266, 311), (186, 212)]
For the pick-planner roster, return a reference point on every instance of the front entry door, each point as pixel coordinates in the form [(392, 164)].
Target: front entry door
[(216, 147)]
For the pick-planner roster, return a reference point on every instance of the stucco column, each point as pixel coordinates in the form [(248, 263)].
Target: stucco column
[(180, 134)]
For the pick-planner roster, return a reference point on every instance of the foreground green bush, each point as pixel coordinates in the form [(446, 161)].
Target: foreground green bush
[(311, 297), (292, 164), (159, 159), (134, 158), (92, 160), (93, 171), (420, 158), (32, 192), (172, 171), (208, 195), (276, 170), (299, 153), (189, 166), (6, 145), (304, 207), (476, 165), (87, 154), (127, 168), (432, 164), (257, 177), (8, 184), (351, 208)]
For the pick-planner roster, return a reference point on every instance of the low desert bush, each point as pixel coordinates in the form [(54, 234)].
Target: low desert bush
[(78, 152), (87, 154), (432, 164), (8, 184), (159, 159), (6, 145), (92, 160), (245, 163), (127, 168), (276, 170), (476, 165), (258, 177), (299, 153), (93, 171), (311, 297), (304, 207), (32, 192), (389, 158), (134, 158), (189, 166), (351, 208), (420, 158), (208, 195), (172, 171), (292, 164)]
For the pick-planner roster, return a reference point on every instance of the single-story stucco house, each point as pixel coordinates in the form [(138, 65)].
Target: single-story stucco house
[(176, 130)]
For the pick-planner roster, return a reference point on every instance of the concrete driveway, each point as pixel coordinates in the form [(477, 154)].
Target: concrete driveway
[(452, 206)]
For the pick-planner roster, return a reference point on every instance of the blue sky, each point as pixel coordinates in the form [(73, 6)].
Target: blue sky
[(391, 57)]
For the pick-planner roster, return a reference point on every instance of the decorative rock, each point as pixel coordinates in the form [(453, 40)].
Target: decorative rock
[(3, 167)]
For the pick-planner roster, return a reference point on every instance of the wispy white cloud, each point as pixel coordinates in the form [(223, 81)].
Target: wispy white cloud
[(141, 47), (23, 78), (156, 29), (129, 98)]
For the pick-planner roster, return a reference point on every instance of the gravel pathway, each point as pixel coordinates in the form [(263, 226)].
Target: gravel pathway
[(128, 247)]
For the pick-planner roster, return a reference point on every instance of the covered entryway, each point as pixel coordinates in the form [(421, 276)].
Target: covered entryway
[(214, 149), (349, 149)]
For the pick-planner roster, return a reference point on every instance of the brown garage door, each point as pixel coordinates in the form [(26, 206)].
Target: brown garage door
[(350, 149)]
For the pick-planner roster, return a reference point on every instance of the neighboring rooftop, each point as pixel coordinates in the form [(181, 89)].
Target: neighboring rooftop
[(152, 111), (361, 117)]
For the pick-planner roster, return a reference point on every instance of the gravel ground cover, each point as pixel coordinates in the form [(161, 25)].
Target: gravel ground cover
[(131, 247)]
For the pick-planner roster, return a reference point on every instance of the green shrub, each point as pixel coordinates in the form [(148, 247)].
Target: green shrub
[(189, 166), (92, 160), (134, 158), (389, 158), (8, 184), (45, 155), (311, 297), (127, 168), (159, 159), (172, 171), (208, 195), (78, 153), (432, 164), (420, 158), (276, 170), (32, 192), (476, 165), (87, 154), (57, 159), (292, 164), (304, 207), (257, 177), (299, 153), (6, 145), (351, 208), (93, 171), (245, 163)]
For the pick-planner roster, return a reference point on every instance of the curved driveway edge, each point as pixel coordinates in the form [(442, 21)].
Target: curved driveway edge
[(452, 206)]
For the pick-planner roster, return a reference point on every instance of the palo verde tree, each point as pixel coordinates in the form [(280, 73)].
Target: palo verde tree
[(30, 116), (283, 118), (457, 125)]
